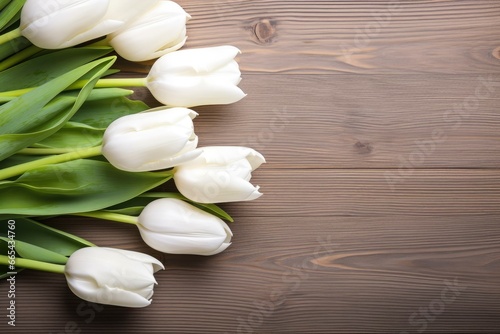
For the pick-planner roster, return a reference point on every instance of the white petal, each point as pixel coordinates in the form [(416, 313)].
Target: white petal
[(196, 77), (185, 157), (127, 10), (49, 25), (195, 92), (149, 119), (174, 226), (225, 155), (174, 216), (205, 187), (159, 31), (141, 257), (119, 297), (101, 29), (112, 276), (149, 149), (201, 60), (229, 73), (173, 244), (152, 140), (167, 49), (222, 248)]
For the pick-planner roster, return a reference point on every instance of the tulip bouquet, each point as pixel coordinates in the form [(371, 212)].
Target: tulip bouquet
[(73, 143)]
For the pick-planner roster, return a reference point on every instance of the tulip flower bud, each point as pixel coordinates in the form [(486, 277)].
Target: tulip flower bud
[(196, 77), (157, 32), (59, 24), (173, 226), (156, 139), (112, 276), (219, 174)]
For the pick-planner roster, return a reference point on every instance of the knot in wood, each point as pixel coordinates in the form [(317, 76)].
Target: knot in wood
[(264, 31), (496, 52), (363, 147)]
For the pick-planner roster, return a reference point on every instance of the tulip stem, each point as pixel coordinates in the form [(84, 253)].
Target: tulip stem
[(45, 151), (112, 83), (32, 264), (117, 217), (102, 83), (53, 159), (9, 36)]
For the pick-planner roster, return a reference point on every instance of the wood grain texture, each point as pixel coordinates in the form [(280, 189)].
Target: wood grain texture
[(381, 210), (398, 36), (353, 121), (327, 192), (301, 275)]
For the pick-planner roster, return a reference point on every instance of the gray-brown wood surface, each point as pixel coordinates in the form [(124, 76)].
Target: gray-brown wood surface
[(380, 123)]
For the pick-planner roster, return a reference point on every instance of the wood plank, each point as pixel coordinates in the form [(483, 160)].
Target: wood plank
[(294, 274), (381, 203), (388, 36), (372, 193), (345, 121)]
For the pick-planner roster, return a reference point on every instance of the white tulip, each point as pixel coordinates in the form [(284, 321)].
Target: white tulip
[(219, 174), (157, 32), (112, 276), (173, 226), (156, 139), (196, 77), (59, 24)]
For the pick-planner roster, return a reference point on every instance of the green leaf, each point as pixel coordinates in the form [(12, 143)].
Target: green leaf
[(99, 114), (135, 206), (98, 94), (86, 128), (17, 159), (34, 111), (46, 67), (73, 135), (4, 250), (26, 120), (3, 3), (129, 211), (32, 252), (23, 113), (76, 186), (38, 242), (14, 22), (10, 12), (213, 209), (210, 208), (45, 237), (10, 48), (4, 271)]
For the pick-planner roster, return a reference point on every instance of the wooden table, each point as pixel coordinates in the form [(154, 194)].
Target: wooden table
[(380, 124)]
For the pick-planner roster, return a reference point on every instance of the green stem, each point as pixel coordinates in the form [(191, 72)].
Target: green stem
[(117, 217), (32, 264), (113, 83), (54, 159), (5, 99), (103, 83), (19, 57), (45, 151), (13, 34)]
